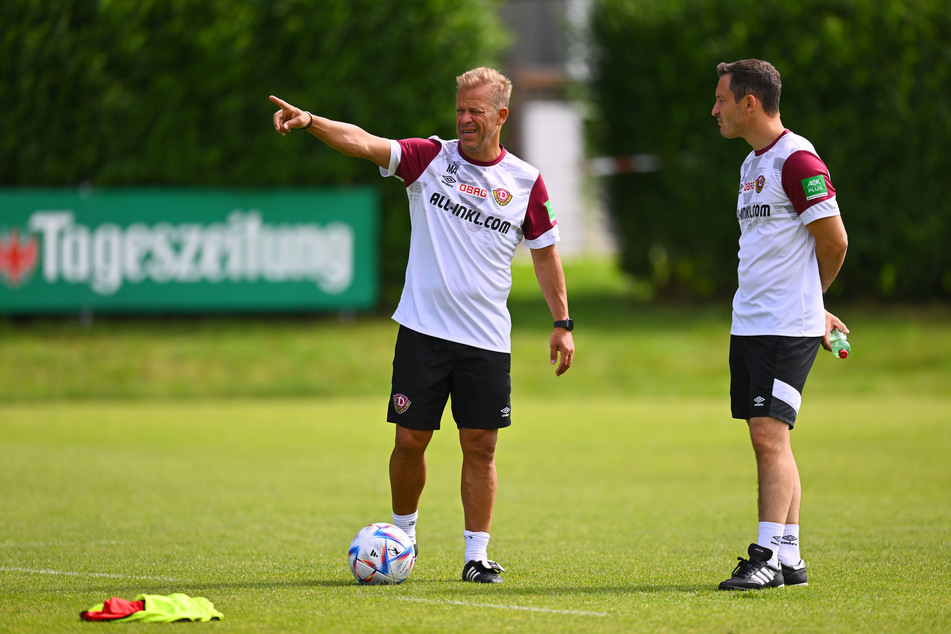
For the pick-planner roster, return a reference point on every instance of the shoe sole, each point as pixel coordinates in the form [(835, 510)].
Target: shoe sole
[(489, 581), (742, 588)]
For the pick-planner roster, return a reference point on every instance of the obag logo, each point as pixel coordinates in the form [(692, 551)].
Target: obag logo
[(472, 190)]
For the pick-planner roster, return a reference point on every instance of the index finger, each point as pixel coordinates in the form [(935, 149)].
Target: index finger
[(280, 102)]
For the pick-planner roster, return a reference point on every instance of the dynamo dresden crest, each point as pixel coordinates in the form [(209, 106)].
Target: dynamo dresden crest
[(502, 196), (401, 403), (18, 258)]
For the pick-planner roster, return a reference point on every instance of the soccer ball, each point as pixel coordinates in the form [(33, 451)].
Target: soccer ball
[(381, 554)]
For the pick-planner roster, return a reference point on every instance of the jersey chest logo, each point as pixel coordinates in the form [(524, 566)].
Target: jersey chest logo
[(502, 196), (758, 185)]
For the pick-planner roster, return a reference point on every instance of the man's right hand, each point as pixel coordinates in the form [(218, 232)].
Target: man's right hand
[(288, 117)]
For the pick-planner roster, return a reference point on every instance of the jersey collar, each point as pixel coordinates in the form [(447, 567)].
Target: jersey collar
[(469, 159), (770, 146)]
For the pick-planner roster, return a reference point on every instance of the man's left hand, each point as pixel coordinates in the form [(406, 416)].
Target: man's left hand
[(562, 342)]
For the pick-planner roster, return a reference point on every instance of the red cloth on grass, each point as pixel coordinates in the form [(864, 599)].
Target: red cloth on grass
[(114, 608)]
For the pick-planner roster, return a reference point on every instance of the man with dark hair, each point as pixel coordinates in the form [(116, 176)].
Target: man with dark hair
[(792, 245), (471, 202)]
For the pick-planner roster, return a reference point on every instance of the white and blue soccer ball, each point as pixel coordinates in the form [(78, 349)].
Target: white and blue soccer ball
[(381, 554)]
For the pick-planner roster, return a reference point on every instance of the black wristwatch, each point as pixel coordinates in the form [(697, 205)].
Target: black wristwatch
[(567, 324)]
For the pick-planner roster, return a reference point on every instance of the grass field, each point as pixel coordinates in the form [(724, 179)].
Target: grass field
[(234, 459)]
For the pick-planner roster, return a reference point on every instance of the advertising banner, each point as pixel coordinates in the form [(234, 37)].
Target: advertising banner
[(175, 250)]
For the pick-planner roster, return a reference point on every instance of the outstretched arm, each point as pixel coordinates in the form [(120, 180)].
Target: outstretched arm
[(346, 138), (551, 279)]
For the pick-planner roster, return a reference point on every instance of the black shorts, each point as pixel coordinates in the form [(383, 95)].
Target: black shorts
[(768, 373), (428, 370)]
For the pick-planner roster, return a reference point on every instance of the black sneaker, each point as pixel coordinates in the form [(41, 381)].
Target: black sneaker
[(754, 573), (484, 571), (795, 575)]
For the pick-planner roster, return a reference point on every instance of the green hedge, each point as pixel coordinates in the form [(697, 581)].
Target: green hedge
[(175, 92), (867, 81)]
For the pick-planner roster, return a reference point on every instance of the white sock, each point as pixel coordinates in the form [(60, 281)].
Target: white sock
[(789, 547), (477, 546), (407, 523), (770, 536)]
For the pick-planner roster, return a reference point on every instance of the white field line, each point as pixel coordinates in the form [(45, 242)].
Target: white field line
[(57, 544), (65, 573), (497, 606)]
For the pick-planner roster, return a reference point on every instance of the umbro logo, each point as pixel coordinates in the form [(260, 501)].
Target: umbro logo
[(506, 411), (758, 401), (449, 180)]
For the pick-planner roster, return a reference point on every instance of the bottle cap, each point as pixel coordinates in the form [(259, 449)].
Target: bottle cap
[(843, 354)]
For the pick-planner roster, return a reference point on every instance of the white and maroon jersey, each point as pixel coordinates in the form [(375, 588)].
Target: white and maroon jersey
[(783, 188), (467, 217)]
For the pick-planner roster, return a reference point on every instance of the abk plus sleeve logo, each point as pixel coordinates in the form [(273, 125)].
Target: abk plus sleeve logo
[(814, 187), (18, 257)]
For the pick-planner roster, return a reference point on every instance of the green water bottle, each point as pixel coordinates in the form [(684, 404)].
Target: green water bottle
[(840, 345)]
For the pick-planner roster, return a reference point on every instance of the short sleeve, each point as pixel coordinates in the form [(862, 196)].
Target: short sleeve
[(540, 227), (409, 158), (806, 181), (395, 154)]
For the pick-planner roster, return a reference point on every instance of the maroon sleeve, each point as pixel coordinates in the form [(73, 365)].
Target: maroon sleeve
[(797, 170), (539, 217), (415, 157)]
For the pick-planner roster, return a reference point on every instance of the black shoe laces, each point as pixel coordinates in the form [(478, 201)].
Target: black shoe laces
[(746, 568)]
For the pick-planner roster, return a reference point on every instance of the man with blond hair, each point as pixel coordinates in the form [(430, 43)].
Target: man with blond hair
[(471, 202)]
